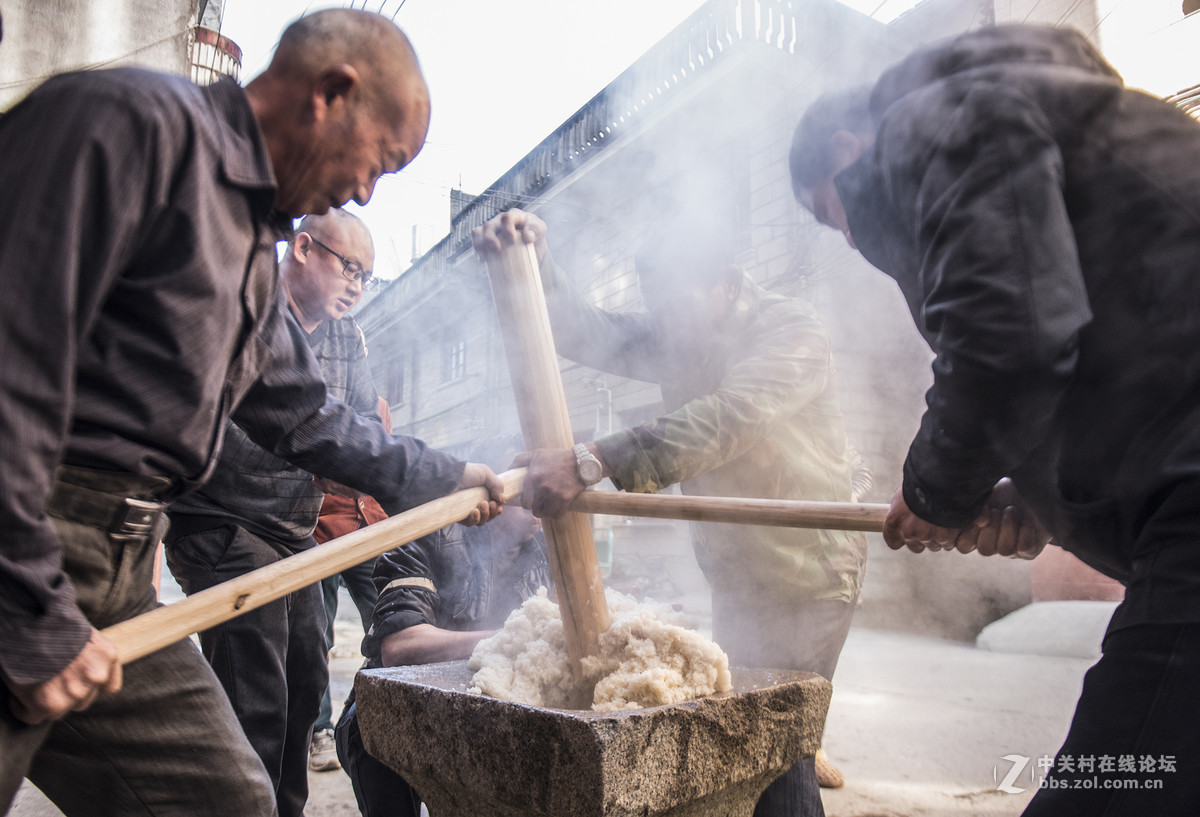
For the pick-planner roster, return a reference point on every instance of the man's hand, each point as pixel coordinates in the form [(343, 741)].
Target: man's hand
[(475, 475), (904, 529), (94, 671), (1006, 527), (509, 228), (552, 481)]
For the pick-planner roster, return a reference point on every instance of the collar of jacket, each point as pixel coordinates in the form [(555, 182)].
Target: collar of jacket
[(244, 158)]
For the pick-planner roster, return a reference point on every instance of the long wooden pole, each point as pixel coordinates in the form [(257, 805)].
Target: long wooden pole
[(545, 422), (156, 629), (786, 513)]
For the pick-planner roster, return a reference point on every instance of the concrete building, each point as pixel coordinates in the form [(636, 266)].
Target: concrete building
[(706, 115), (43, 38)]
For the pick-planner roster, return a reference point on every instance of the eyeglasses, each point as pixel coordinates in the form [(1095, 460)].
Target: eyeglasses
[(352, 270)]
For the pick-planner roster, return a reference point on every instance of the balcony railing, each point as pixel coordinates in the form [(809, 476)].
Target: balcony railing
[(214, 56), (1188, 99)]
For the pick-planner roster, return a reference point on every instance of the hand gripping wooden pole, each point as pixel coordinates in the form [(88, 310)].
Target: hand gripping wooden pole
[(545, 422), (156, 629)]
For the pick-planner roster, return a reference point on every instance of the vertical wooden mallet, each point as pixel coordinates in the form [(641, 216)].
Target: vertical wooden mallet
[(545, 422)]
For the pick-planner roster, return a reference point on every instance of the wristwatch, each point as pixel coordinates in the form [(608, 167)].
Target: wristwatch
[(588, 468)]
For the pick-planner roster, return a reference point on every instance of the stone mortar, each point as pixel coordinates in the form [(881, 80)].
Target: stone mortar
[(476, 756)]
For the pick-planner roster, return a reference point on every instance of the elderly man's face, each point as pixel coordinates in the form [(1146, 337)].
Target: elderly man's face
[(320, 287), (356, 147)]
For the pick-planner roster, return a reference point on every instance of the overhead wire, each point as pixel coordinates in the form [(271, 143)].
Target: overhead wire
[(93, 65)]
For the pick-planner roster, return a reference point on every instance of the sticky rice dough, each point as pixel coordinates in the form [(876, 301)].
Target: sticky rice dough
[(648, 657)]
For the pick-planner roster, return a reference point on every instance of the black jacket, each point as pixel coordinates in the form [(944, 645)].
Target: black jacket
[(448, 579), (1043, 222)]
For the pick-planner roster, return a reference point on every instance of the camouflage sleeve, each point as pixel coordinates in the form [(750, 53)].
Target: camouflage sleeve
[(620, 343), (784, 366)]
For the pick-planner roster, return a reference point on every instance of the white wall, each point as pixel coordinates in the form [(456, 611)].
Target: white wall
[(45, 37)]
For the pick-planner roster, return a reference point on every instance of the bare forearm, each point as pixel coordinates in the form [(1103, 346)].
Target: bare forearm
[(427, 644)]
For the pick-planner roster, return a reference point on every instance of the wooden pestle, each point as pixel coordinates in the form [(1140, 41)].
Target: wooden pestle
[(545, 422)]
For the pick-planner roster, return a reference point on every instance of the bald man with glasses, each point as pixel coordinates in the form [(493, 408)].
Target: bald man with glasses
[(258, 509)]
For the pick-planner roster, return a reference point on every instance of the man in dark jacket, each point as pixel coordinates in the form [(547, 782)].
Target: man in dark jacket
[(1043, 222), (142, 309), (258, 509), (439, 597), (750, 392)]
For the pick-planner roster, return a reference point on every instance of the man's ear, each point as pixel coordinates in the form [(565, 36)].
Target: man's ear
[(847, 147), (333, 88), (300, 247)]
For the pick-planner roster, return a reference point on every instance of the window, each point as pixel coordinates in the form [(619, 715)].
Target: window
[(454, 357), (395, 381)]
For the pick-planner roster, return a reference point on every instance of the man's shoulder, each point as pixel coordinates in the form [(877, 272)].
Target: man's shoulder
[(135, 107), (347, 334), (131, 88), (346, 327)]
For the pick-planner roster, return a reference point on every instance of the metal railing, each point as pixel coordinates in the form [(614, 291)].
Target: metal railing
[(1188, 99), (214, 56)]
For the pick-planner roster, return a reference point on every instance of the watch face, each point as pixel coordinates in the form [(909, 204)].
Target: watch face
[(590, 471)]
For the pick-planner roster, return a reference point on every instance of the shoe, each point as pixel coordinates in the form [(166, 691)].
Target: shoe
[(828, 776), (322, 752)]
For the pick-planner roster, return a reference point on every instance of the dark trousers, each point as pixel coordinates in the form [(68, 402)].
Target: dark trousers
[(166, 745), (271, 661), (762, 631), (364, 595), (1141, 700), (380, 792)]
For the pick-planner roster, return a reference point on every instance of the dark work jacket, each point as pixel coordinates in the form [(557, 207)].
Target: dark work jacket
[(142, 308), (1043, 222)]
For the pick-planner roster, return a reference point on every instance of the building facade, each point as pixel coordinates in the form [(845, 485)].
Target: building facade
[(705, 116)]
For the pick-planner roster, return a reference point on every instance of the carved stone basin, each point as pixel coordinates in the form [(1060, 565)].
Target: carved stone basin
[(476, 756)]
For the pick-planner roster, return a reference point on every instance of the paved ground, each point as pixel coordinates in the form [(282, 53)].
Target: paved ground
[(919, 726)]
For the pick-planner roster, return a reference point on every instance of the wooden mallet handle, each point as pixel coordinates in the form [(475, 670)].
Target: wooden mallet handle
[(776, 512), (156, 629)]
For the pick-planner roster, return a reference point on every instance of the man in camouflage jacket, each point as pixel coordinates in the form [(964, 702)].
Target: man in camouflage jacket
[(751, 410)]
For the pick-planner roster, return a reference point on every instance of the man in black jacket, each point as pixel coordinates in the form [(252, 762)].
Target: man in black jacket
[(142, 309), (1043, 223)]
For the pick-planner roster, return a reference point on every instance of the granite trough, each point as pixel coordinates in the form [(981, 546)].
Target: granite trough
[(476, 756)]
